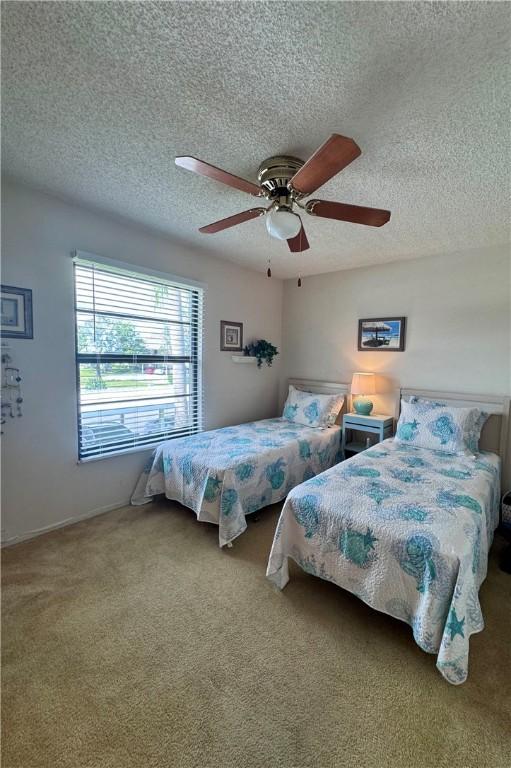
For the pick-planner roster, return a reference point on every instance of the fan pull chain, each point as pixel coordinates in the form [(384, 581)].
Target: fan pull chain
[(299, 276), (268, 271)]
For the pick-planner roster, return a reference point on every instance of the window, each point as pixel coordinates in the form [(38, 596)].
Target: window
[(138, 344)]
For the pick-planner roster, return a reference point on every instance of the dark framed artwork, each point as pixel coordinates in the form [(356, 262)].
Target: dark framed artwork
[(231, 336), (382, 334), (16, 312)]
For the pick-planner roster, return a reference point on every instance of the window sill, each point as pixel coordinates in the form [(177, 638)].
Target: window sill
[(115, 454)]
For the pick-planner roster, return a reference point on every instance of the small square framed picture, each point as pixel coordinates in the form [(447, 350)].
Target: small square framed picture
[(16, 312), (231, 336), (382, 334)]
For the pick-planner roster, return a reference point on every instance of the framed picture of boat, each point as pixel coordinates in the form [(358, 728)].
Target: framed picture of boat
[(382, 334)]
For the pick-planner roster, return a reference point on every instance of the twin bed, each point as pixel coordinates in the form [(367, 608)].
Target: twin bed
[(228, 473), (407, 529)]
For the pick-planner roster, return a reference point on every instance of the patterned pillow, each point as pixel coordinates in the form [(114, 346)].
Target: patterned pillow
[(311, 409), (427, 424), (472, 427), (473, 430)]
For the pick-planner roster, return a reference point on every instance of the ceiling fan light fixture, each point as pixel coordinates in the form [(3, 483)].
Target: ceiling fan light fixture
[(283, 224)]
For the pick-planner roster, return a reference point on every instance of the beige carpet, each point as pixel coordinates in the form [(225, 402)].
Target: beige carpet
[(131, 640)]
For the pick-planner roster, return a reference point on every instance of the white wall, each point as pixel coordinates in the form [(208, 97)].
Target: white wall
[(458, 324), (42, 483)]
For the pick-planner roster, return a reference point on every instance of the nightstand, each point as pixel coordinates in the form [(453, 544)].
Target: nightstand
[(380, 425)]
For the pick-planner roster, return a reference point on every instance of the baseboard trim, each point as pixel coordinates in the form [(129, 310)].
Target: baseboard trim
[(10, 540)]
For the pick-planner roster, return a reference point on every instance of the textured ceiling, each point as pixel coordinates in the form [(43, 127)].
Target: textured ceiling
[(98, 98)]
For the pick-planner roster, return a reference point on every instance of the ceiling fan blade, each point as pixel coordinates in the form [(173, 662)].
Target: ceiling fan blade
[(334, 155), (231, 221), (357, 214), (298, 243), (205, 169)]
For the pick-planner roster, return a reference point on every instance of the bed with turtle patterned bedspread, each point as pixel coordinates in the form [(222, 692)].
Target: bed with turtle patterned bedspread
[(405, 529), (228, 473)]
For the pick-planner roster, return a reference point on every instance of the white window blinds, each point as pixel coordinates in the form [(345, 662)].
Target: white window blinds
[(138, 347)]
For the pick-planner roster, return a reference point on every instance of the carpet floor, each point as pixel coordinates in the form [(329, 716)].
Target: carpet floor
[(131, 641)]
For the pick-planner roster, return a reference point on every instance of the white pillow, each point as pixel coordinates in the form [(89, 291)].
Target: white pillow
[(311, 409), (427, 424)]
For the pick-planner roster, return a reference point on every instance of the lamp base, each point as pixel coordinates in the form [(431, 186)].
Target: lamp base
[(363, 407)]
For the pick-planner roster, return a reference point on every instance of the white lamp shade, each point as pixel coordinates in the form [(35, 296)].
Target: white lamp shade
[(363, 384), (283, 224)]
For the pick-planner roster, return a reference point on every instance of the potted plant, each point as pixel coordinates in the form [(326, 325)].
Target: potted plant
[(261, 349)]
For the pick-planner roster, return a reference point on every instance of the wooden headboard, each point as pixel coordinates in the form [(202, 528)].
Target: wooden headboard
[(322, 388), (494, 436)]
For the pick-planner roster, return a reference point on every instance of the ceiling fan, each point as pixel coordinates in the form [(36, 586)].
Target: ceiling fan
[(286, 181)]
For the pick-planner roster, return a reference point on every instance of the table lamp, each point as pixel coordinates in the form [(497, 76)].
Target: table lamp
[(363, 384)]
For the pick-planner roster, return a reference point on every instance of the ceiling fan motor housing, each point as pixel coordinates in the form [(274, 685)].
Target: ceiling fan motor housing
[(274, 174)]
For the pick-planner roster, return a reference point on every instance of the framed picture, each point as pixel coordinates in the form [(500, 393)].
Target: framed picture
[(16, 312), (382, 334), (231, 336)]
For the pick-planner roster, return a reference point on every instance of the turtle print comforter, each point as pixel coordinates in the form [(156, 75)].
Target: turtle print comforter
[(405, 529), (228, 473)]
